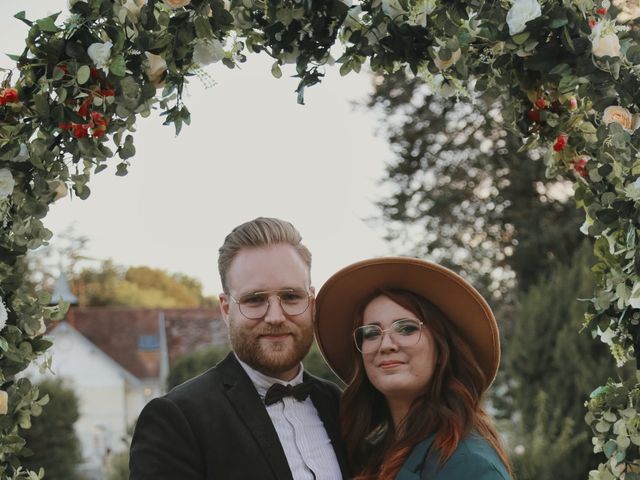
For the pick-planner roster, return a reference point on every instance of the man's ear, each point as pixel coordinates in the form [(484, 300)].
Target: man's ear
[(224, 307)]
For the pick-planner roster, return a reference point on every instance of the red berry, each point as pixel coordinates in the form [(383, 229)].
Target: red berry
[(80, 130), (541, 102), (601, 11), (561, 142), (10, 95), (580, 167), (534, 115)]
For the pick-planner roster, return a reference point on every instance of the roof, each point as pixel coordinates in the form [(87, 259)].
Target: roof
[(132, 338)]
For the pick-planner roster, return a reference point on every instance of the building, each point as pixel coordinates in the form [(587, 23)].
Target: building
[(117, 359)]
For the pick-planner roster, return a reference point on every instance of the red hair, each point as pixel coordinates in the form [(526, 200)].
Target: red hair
[(450, 405)]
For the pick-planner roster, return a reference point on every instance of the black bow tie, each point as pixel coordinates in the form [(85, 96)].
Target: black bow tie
[(278, 391)]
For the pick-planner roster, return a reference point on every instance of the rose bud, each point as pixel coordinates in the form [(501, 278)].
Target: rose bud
[(561, 142)]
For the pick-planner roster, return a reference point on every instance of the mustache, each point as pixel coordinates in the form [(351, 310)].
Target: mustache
[(273, 331)]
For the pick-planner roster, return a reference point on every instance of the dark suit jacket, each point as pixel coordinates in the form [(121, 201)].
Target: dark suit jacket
[(215, 426)]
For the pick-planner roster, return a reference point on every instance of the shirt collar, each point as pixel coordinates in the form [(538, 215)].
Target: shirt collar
[(262, 382)]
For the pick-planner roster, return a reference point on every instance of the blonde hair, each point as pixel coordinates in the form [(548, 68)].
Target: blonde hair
[(260, 232)]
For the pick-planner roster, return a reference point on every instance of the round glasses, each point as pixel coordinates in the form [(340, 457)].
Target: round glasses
[(404, 333), (255, 305)]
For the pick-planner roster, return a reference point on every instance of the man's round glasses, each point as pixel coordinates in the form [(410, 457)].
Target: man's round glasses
[(404, 333), (255, 305)]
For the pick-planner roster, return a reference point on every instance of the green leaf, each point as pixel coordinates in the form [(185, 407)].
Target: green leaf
[(520, 38), (48, 24), (21, 16), (84, 72), (118, 66), (275, 70), (42, 105), (203, 27)]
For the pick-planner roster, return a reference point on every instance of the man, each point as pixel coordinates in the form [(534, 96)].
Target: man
[(230, 422)]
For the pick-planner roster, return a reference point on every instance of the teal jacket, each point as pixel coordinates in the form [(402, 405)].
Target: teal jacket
[(474, 459)]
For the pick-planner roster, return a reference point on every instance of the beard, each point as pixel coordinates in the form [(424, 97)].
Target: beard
[(271, 358)]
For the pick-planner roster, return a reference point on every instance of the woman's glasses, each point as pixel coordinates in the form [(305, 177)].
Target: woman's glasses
[(404, 333)]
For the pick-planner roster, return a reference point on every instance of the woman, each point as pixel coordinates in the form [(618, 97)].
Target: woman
[(418, 347)]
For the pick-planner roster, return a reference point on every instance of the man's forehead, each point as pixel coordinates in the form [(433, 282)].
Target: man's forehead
[(274, 267)]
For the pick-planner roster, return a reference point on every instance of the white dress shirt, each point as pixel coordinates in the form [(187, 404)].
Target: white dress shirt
[(300, 429)]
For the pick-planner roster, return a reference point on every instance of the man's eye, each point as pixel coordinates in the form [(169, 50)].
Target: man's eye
[(291, 297), (253, 300)]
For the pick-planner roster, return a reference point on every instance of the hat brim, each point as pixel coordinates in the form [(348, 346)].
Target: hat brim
[(342, 297)]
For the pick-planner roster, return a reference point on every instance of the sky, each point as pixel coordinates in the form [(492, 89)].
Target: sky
[(250, 151)]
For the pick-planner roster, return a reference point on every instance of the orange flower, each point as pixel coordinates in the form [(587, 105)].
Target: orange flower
[(621, 116)]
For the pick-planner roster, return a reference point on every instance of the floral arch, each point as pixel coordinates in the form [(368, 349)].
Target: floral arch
[(570, 70)]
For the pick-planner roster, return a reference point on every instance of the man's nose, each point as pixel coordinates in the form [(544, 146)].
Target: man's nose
[(275, 313)]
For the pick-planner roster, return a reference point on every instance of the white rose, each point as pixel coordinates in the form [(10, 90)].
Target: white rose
[(206, 52), (3, 315), (622, 116), (521, 12), (4, 402), (6, 183), (23, 154), (629, 10), (633, 190), (155, 68), (444, 64), (605, 45), (100, 53), (173, 4), (134, 6)]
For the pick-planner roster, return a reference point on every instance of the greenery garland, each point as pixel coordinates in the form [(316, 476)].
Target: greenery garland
[(570, 70)]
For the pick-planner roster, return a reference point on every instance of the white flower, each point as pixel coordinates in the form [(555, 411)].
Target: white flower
[(444, 64), (629, 10), (23, 154), (621, 116), (4, 402), (521, 12), (604, 41), (206, 52), (3, 314), (634, 300), (607, 336), (6, 183), (633, 190), (100, 53), (134, 6), (155, 68)]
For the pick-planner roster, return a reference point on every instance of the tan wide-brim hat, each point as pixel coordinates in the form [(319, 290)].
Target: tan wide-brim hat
[(342, 297)]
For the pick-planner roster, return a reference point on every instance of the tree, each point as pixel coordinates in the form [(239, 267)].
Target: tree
[(137, 287), (52, 437), (546, 355), (461, 194), (193, 364)]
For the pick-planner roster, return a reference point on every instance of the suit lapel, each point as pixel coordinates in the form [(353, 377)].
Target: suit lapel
[(327, 408), (244, 399)]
